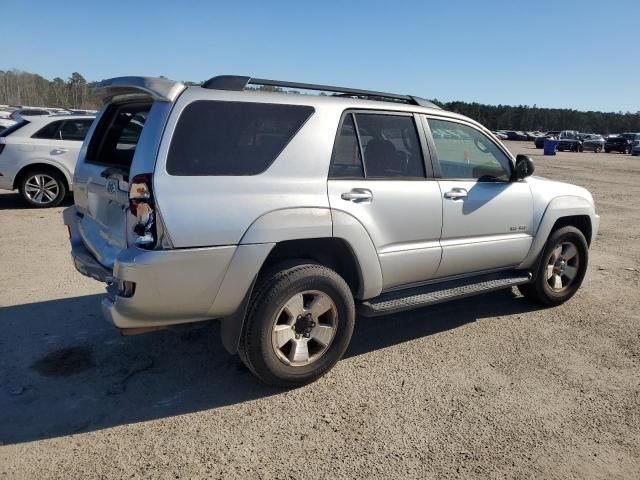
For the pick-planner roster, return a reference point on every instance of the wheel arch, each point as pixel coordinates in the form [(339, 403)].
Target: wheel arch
[(563, 211), (43, 165)]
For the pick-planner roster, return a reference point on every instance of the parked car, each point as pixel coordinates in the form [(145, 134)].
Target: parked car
[(500, 135), (516, 135), (573, 141), (593, 142), (539, 141), (245, 206), (622, 143), (635, 148), (27, 113), (38, 157)]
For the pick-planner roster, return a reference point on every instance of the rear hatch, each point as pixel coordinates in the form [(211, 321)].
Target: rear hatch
[(119, 151)]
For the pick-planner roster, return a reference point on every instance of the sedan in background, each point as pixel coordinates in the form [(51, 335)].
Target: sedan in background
[(593, 142)]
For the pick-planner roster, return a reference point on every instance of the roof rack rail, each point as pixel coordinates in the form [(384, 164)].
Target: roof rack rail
[(239, 83)]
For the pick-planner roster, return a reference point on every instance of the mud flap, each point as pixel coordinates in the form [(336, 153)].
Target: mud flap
[(231, 326)]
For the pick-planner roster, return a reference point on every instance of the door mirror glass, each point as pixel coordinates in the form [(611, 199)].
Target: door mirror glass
[(524, 167)]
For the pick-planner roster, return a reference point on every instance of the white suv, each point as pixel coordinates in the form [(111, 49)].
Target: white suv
[(38, 156)]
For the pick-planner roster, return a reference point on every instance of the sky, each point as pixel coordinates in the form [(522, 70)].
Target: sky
[(562, 53)]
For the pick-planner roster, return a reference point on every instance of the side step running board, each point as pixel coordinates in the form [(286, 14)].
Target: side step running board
[(417, 297)]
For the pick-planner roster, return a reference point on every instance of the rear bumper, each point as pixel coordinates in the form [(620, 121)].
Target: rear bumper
[(171, 286)]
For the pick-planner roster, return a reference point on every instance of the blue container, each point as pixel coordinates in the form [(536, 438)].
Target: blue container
[(550, 146)]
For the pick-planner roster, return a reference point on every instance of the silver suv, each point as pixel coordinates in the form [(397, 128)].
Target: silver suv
[(283, 215)]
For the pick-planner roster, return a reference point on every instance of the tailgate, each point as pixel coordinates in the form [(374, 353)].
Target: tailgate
[(123, 143)]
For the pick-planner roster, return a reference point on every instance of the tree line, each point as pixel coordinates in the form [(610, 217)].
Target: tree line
[(24, 88)]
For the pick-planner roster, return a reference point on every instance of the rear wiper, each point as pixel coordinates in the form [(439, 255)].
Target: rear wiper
[(107, 172)]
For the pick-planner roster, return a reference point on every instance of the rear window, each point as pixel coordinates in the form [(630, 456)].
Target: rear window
[(232, 138), (16, 126), (116, 138)]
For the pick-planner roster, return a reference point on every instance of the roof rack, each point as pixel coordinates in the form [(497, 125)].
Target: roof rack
[(239, 83)]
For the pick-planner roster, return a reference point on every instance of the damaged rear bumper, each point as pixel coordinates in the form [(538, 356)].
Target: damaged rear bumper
[(170, 287)]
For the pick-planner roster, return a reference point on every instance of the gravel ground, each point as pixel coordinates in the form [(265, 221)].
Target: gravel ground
[(485, 387)]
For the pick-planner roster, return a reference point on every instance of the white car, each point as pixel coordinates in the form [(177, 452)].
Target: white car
[(38, 156)]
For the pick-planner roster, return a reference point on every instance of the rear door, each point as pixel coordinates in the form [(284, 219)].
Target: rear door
[(102, 178), (379, 176), (487, 219)]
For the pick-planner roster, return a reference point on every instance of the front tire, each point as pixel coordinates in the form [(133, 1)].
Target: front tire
[(43, 188), (299, 324), (562, 268)]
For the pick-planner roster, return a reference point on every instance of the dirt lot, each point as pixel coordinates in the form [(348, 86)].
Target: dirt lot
[(486, 387)]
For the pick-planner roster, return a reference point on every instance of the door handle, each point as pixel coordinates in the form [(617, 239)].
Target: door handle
[(358, 195), (456, 193), (58, 151)]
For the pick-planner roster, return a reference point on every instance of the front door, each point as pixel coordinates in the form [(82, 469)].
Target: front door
[(389, 192), (487, 218)]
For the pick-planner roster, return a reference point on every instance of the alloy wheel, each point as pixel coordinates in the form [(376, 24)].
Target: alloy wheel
[(562, 266), (41, 188), (304, 328)]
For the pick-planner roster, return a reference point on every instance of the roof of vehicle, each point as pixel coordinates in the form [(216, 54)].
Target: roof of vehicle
[(165, 90)]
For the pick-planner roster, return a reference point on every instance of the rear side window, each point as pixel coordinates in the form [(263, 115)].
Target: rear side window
[(49, 132), (116, 138), (388, 143), (75, 129), (232, 138), (347, 161)]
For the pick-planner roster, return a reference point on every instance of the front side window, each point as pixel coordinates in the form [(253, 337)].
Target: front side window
[(232, 138), (388, 144), (466, 153), (50, 131)]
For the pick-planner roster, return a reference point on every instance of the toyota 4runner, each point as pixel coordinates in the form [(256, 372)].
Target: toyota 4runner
[(283, 215)]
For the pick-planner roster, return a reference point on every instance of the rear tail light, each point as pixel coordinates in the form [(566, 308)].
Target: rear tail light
[(142, 206)]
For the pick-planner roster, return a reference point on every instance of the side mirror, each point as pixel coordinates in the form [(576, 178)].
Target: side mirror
[(524, 167)]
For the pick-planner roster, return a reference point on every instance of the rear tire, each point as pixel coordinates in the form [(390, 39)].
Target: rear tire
[(561, 269), (43, 188), (286, 341)]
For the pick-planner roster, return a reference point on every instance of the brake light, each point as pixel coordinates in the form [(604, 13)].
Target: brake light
[(142, 206)]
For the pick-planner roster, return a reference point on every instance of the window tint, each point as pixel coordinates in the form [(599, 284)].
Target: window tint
[(115, 140), (464, 152), (232, 138), (75, 129), (346, 161), (390, 145), (50, 132)]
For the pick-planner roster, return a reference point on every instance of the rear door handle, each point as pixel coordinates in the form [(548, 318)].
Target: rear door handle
[(456, 193), (58, 151), (358, 195)]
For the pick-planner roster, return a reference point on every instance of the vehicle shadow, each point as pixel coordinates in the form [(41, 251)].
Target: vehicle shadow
[(64, 370), (13, 201)]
